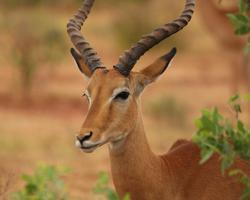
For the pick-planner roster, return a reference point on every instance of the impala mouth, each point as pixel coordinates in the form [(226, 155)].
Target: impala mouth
[(88, 147)]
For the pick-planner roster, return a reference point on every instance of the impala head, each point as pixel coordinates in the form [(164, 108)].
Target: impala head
[(113, 93)]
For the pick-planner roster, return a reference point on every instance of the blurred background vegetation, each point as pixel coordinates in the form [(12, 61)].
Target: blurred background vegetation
[(40, 105)]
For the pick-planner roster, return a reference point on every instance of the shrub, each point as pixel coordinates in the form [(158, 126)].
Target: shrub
[(241, 21), (217, 134), (103, 189), (44, 184)]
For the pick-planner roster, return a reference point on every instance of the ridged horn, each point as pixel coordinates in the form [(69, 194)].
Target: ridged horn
[(129, 58), (74, 25)]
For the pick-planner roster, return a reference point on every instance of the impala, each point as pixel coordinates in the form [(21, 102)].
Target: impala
[(215, 18), (114, 118)]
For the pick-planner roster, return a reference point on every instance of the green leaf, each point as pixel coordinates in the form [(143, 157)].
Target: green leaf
[(241, 5), (229, 139), (241, 126), (246, 195), (206, 155), (235, 172), (127, 197), (247, 48), (237, 19), (242, 18), (234, 98), (44, 183), (102, 187), (247, 96), (237, 108), (226, 162), (240, 22), (242, 30)]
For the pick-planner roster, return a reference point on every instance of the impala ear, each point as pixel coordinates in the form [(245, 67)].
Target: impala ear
[(153, 71), (80, 63)]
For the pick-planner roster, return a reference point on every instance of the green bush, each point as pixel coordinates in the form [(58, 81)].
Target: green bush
[(241, 21), (103, 189), (231, 140), (44, 184), (217, 134)]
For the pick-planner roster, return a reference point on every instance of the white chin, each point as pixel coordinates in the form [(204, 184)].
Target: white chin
[(88, 150), (85, 150), (78, 144), (117, 143)]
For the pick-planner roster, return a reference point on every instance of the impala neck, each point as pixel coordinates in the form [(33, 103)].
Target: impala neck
[(135, 168), (215, 18)]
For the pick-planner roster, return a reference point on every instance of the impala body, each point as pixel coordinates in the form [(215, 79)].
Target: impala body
[(216, 20), (114, 118)]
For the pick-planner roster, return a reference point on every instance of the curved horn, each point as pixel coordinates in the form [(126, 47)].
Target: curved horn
[(74, 31), (131, 56)]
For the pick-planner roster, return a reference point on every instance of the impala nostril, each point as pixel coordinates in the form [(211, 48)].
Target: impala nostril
[(85, 137)]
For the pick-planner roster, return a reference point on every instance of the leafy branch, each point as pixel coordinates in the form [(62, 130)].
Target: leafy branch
[(241, 21), (103, 189), (217, 134), (44, 184)]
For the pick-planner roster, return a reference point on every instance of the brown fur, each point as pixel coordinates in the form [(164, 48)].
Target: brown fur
[(176, 175), (215, 19)]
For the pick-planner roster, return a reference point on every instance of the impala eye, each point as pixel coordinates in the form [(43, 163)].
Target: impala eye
[(122, 96)]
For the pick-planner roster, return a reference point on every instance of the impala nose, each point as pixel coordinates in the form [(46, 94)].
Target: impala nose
[(83, 138)]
